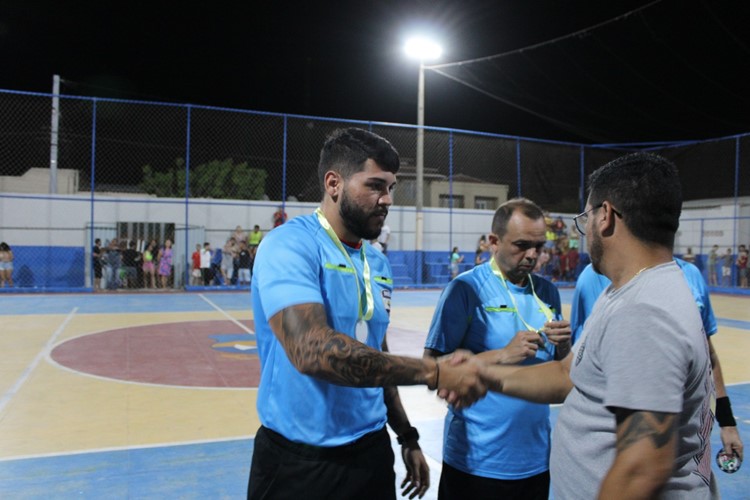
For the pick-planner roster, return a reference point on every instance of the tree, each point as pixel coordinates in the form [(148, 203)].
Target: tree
[(218, 179)]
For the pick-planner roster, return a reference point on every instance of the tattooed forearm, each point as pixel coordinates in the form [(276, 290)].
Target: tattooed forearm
[(315, 349), (562, 350), (632, 426)]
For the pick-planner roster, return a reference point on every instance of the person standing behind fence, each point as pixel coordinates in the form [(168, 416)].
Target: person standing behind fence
[(726, 268), (6, 265), (227, 260), (130, 260), (689, 256), (279, 217), (149, 264), (253, 240), (239, 234), (206, 264), (96, 258), (165, 263), (195, 271), (742, 267), (455, 259), (217, 278), (712, 258), (114, 261), (245, 262)]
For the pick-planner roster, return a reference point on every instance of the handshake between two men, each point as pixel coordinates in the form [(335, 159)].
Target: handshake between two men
[(462, 378)]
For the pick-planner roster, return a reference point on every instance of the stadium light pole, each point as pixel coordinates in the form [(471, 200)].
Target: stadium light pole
[(423, 50)]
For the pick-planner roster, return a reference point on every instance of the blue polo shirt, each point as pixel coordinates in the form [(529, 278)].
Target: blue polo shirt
[(498, 437), (298, 263)]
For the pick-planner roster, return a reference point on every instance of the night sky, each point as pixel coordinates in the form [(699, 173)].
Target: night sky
[(675, 70)]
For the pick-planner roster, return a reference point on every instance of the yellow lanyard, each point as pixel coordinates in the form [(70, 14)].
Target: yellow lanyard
[(370, 302), (542, 306)]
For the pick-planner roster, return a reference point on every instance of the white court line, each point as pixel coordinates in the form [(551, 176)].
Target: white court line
[(226, 314), (127, 448), (29, 369)]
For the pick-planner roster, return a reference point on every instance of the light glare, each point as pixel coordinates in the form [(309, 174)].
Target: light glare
[(422, 49)]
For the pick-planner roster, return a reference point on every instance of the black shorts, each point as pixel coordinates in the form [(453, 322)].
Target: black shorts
[(458, 484), (285, 469)]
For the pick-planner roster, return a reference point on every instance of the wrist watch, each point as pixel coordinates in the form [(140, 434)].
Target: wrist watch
[(410, 435)]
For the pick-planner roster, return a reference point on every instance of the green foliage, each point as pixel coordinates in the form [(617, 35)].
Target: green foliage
[(217, 179)]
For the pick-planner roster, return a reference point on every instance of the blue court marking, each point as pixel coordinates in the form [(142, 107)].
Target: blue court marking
[(733, 323), (220, 469), (121, 303), (117, 303), (206, 470)]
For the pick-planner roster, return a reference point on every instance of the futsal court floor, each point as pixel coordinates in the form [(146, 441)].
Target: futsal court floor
[(152, 395)]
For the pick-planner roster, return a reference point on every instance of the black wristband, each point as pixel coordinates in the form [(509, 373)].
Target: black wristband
[(410, 435), (724, 413)]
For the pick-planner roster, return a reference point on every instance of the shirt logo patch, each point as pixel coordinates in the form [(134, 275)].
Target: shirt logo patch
[(579, 355), (386, 295)]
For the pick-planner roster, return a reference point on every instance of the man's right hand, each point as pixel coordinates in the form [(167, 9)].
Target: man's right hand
[(460, 383)]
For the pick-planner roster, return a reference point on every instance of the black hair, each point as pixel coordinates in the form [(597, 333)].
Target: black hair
[(346, 151), (505, 211), (645, 188)]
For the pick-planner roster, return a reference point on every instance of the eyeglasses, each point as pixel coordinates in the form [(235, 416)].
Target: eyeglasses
[(581, 219)]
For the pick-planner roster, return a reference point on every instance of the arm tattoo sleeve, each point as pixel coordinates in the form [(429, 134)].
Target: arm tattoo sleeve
[(632, 426), (315, 349)]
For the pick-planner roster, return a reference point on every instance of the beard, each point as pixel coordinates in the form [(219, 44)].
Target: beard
[(364, 224), (596, 250)]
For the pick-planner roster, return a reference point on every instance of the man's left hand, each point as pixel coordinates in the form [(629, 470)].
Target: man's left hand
[(417, 478), (731, 441), (557, 332)]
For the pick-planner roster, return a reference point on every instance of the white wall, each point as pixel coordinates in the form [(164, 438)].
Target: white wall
[(39, 220), (713, 220)]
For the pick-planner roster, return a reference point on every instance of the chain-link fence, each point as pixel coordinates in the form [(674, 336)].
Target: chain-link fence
[(132, 172)]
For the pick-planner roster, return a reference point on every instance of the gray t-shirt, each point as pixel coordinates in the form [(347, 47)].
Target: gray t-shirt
[(642, 348)]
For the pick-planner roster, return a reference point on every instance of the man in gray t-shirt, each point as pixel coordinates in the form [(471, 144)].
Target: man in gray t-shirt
[(640, 348), (637, 388)]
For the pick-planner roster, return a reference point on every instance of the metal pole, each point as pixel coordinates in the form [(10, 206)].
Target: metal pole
[(53, 134), (420, 161)]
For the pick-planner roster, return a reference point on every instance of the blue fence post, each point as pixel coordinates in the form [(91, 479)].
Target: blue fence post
[(283, 164), (736, 224), (187, 196), (518, 166), (450, 189), (582, 185), (92, 183)]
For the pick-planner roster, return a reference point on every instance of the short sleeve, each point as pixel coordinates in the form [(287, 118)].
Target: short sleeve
[(287, 269), (452, 317)]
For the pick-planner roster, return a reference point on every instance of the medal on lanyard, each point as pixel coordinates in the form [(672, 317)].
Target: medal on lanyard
[(545, 310), (361, 331), (728, 461)]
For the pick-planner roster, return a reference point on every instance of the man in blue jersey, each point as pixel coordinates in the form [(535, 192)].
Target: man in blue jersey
[(590, 286), (321, 300), (637, 387), (499, 447)]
